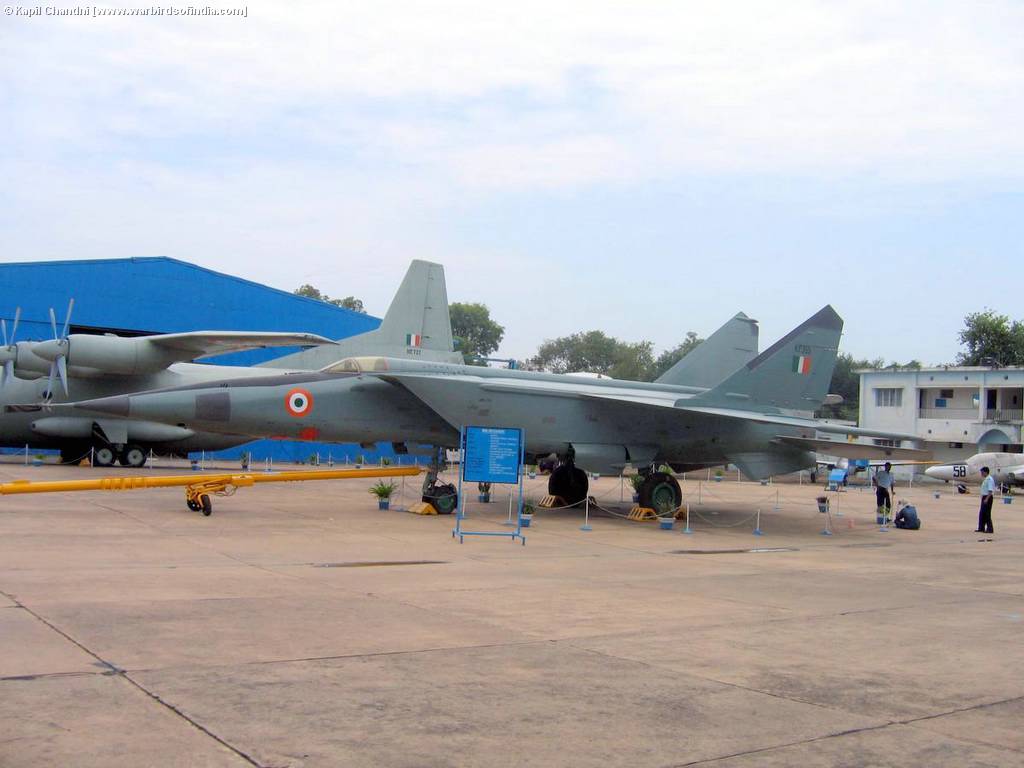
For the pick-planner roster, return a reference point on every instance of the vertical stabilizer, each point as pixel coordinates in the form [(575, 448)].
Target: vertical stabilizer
[(793, 374), (719, 355), (416, 325)]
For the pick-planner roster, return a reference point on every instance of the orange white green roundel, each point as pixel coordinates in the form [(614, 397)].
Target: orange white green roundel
[(298, 402)]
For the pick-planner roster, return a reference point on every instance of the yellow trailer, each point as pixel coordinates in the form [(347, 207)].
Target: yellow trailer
[(198, 489)]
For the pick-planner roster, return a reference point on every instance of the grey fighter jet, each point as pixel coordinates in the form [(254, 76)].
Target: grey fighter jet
[(38, 374), (759, 418)]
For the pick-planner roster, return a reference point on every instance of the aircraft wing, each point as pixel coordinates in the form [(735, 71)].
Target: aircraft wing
[(439, 392), (198, 344), (895, 456)]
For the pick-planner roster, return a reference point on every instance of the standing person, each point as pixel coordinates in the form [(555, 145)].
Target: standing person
[(883, 488), (988, 490)]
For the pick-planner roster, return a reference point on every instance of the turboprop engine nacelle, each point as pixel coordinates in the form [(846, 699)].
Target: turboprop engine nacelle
[(106, 354)]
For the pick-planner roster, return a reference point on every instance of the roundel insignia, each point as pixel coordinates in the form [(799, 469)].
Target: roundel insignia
[(298, 402)]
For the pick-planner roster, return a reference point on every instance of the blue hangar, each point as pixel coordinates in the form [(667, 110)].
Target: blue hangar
[(143, 296)]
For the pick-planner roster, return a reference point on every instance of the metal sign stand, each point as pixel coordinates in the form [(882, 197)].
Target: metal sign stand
[(490, 455)]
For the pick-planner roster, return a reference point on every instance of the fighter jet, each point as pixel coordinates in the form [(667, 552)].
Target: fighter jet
[(759, 418), (1007, 469), (39, 374)]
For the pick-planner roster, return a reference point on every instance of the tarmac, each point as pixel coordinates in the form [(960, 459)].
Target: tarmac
[(301, 626)]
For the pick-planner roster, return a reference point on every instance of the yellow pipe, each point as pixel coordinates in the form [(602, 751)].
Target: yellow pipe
[(241, 479)]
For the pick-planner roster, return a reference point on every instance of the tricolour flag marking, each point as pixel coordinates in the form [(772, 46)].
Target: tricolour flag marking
[(802, 364), (413, 339)]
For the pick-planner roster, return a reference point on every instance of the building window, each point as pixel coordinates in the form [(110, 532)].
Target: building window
[(946, 394), (885, 443), (888, 398), (956, 446)]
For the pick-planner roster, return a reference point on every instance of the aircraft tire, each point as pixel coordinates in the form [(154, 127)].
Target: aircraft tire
[(660, 491), (569, 482), (195, 507), (207, 505), (103, 456), (444, 498), (132, 455)]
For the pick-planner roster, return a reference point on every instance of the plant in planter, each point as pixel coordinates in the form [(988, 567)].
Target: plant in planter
[(718, 475), (360, 460), (526, 516), (636, 481), (531, 471), (385, 461), (485, 492), (383, 492)]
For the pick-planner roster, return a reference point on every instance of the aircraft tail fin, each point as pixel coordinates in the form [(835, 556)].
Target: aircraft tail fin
[(720, 354), (792, 374), (417, 324)]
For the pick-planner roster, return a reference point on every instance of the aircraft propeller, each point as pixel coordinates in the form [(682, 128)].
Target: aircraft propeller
[(59, 364), (10, 351)]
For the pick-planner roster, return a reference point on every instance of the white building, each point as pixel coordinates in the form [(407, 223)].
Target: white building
[(955, 412)]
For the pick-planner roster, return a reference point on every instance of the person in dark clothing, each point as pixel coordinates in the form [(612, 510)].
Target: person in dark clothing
[(988, 490), (883, 487)]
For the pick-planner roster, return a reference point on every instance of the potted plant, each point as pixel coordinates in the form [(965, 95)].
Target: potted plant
[(526, 515), (485, 492), (360, 460), (531, 471), (385, 461), (636, 481), (718, 475), (383, 493)]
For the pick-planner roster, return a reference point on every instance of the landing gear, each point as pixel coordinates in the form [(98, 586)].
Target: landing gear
[(103, 456), (132, 456), (569, 482), (660, 492), (442, 496)]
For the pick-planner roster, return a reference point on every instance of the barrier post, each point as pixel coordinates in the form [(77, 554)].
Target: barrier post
[(687, 529), (26, 454), (586, 516), (509, 520), (757, 524), (777, 506), (700, 489)]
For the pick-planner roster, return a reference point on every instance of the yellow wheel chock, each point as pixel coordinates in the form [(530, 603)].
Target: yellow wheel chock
[(641, 514)]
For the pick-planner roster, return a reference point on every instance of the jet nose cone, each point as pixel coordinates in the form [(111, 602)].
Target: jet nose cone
[(940, 473), (49, 350)]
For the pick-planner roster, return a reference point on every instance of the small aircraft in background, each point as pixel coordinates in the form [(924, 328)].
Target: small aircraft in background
[(1007, 469)]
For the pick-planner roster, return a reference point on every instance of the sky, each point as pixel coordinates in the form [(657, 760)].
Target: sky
[(642, 168)]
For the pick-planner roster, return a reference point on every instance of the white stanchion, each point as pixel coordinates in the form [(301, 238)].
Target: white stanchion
[(586, 516)]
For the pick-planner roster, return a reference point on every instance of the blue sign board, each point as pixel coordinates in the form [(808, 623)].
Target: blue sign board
[(492, 455)]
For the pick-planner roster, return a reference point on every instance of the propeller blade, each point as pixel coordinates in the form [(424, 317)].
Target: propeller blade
[(8, 372), (67, 319), (48, 395), (62, 372), (53, 322), (3, 327), (14, 328)]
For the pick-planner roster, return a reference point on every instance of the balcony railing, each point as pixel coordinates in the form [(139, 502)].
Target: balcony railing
[(996, 416), (1004, 415), (957, 414)]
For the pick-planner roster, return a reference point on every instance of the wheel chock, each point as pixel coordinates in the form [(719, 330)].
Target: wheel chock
[(551, 502), (640, 514), (422, 508)]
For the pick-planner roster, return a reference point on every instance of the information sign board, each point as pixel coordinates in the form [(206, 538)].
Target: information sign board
[(492, 455)]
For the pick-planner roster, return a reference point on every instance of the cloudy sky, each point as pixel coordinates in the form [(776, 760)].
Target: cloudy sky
[(645, 168)]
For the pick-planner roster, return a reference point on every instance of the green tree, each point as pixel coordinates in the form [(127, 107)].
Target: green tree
[(476, 334), (991, 339), (312, 292), (670, 357)]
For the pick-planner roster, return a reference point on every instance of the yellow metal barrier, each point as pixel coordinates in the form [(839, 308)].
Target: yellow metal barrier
[(198, 488)]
